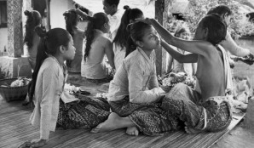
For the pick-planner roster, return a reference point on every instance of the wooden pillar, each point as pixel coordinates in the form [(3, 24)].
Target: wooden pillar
[(48, 14), (14, 23), (161, 14), (14, 65)]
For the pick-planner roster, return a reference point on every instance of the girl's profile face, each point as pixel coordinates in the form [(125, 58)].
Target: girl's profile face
[(70, 50), (106, 27), (151, 39)]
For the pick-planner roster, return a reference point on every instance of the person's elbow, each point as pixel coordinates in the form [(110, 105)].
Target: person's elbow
[(136, 97), (180, 58)]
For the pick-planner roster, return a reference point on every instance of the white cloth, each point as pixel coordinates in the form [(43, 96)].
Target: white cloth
[(119, 55), (228, 74), (48, 89), (136, 78), (95, 66), (114, 22)]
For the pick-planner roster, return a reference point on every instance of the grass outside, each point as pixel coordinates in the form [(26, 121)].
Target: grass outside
[(242, 69)]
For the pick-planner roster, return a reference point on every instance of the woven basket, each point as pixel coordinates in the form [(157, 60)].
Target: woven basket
[(12, 93)]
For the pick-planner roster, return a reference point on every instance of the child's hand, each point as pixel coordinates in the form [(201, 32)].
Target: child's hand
[(148, 21), (166, 88), (251, 56), (34, 143)]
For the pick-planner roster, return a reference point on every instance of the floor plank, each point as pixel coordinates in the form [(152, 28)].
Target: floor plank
[(16, 129)]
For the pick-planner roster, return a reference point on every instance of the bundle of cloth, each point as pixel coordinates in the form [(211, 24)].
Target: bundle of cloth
[(241, 93), (173, 78)]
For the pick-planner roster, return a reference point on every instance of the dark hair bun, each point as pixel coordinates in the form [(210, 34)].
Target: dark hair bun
[(66, 13), (41, 31), (89, 18), (126, 7), (27, 12)]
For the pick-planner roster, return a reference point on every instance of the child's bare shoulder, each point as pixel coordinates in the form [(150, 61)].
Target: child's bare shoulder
[(80, 32), (103, 38)]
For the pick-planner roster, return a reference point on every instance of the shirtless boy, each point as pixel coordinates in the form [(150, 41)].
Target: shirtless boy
[(206, 108)]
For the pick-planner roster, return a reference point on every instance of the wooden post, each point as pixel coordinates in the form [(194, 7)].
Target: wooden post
[(48, 14), (161, 14), (15, 32)]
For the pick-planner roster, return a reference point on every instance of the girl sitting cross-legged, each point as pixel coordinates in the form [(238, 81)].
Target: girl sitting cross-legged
[(46, 89), (134, 94), (94, 66)]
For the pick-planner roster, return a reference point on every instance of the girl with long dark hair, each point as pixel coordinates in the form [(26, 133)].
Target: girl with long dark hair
[(97, 46), (72, 19), (31, 38), (47, 90), (122, 38)]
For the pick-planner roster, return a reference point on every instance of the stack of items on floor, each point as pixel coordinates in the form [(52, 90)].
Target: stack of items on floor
[(239, 96)]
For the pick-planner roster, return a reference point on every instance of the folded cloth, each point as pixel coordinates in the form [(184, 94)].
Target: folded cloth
[(228, 74), (68, 97)]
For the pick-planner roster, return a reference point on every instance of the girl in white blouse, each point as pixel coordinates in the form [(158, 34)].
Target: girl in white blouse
[(134, 94), (46, 89)]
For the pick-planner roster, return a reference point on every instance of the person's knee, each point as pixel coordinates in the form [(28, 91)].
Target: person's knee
[(178, 90), (181, 86)]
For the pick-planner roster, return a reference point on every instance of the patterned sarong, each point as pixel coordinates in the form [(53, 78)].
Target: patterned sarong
[(149, 118), (87, 113), (211, 115)]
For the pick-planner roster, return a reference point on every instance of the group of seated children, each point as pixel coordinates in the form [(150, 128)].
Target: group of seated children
[(135, 100)]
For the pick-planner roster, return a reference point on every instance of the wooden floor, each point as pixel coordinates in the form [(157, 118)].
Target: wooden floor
[(16, 129)]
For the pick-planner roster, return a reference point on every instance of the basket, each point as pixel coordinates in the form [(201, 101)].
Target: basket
[(12, 93)]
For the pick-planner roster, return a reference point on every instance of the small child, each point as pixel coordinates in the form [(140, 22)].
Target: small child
[(183, 32), (97, 46), (134, 93), (48, 80), (121, 40), (72, 19)]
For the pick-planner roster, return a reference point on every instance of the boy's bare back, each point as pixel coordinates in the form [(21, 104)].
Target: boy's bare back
[(211, 73)]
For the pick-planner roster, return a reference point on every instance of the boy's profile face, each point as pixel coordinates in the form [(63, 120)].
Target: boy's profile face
[(201, 33), (228, 19), (108, 9)]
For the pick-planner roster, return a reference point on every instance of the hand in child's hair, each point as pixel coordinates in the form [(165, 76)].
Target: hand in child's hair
[(41, 31), (148, 21), (34, 143), (76, 5)]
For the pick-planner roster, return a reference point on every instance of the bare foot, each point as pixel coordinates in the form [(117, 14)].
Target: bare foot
[(112, 123), (33, 144), (133, 131), (190, 130)]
